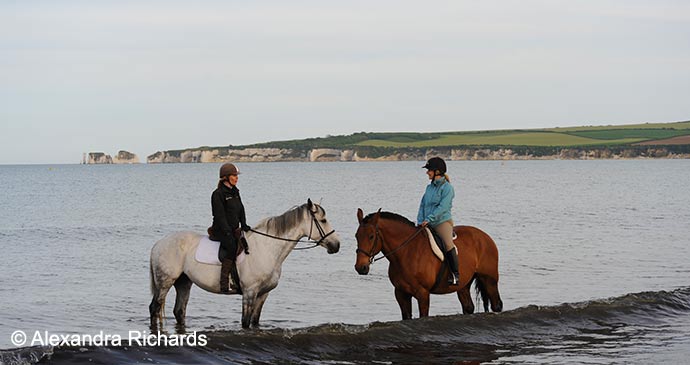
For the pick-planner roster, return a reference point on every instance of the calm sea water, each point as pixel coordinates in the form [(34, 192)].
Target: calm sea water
[(593, 261)]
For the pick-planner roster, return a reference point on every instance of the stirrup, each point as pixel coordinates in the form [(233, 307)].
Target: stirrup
[(232, 290), (235, 289), (453, 279)]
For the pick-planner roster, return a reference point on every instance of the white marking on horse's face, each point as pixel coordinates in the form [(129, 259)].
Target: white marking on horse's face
[(332, 241)]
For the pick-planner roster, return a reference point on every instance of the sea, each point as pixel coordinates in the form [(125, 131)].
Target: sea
[(594, 264)]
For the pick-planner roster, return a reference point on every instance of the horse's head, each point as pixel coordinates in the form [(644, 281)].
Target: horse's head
[(320, 229), (368, 241)]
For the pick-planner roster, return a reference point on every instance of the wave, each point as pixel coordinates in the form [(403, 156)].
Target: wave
[(528, 331)]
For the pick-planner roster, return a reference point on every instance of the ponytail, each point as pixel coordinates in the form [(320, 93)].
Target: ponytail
[(439, 173)]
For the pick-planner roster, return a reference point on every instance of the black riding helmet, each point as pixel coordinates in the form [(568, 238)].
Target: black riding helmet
[(436, 163)]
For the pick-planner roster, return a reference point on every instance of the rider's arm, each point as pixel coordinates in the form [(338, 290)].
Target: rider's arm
[(444, 205), (218, 209)]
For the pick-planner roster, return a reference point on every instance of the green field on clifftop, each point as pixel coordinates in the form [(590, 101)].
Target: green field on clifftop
[(586, 136), (518, 138), (673, 137), (576, 136)]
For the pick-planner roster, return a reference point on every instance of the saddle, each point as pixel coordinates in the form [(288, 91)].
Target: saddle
[(207, 252), (436, 243), (439, 250), (239, 236)]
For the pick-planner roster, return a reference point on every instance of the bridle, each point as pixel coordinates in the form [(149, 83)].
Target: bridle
[(379, 237), (314, 222), (373, 252), (322, 232)]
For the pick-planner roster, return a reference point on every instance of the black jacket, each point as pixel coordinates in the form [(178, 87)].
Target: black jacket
[(228, 211)]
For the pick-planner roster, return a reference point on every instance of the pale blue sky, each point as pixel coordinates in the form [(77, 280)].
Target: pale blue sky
[(80, 76)]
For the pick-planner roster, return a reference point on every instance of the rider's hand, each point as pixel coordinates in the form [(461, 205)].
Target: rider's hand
[(246, 228), (424, 224)]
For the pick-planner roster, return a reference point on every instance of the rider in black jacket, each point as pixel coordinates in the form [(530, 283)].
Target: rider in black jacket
[(228, 219)]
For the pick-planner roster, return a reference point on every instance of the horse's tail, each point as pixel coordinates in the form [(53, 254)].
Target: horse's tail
[(481, 291), (155, 292), (152, 281)]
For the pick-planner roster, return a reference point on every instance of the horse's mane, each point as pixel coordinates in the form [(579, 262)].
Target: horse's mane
[(391, 216), (280, 224)]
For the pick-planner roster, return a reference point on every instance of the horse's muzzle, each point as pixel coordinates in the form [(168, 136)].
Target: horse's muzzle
[(333, 247), (362, 269)]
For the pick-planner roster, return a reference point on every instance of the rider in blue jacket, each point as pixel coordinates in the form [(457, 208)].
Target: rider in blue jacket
[(434, 210)]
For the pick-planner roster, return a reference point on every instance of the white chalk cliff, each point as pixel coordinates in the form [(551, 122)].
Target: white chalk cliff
[(330, 154), (100, 158), (124, 157), (223, 155)]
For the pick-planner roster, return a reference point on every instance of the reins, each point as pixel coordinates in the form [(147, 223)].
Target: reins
[(311, 228), (287, 240), (372, 258)]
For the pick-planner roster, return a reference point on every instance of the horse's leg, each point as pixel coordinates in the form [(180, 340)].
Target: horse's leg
[(154, 310), (183, 286), (248, 307), (154, 307), (160, 285), (405, 302), (466, 299), (166, 266), (423, 300), (489, 288), (258, 306), (157, 306)]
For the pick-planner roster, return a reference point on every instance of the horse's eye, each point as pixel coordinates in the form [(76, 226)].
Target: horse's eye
[(371, 238), (323, 221)]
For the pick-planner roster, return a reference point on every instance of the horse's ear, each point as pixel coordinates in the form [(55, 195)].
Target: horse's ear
[(376, 216), (360, 215), (309, 203)]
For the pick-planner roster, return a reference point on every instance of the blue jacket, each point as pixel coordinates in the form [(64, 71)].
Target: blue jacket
[(436, 202)]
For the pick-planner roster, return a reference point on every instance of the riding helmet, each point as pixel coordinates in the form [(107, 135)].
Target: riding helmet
[(228, 169), (436, 163)]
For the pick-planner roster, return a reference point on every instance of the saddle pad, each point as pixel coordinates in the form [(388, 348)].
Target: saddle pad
[(434, 246), (207, 252)]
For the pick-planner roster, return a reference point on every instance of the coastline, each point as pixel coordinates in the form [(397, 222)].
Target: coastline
[(634, 141), (411, 154)]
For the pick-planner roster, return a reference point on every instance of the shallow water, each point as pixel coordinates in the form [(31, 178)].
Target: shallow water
[(76, 242)]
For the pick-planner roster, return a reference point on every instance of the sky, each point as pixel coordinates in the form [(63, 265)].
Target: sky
[(145, 76)]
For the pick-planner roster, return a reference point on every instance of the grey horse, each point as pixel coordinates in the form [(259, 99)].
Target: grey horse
[(173, 262)]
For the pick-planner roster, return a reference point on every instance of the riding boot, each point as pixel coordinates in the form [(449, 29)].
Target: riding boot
[(236, 286), (225, 270), (452, 258)]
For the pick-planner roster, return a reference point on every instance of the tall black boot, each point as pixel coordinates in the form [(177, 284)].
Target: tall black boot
[(452, 258), (236, 287), (225, 270)]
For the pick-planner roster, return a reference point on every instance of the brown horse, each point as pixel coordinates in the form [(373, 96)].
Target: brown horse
[(416, 272)]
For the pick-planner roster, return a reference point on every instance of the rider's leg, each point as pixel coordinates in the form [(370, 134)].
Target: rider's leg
[(228, 249), (445, 230)]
